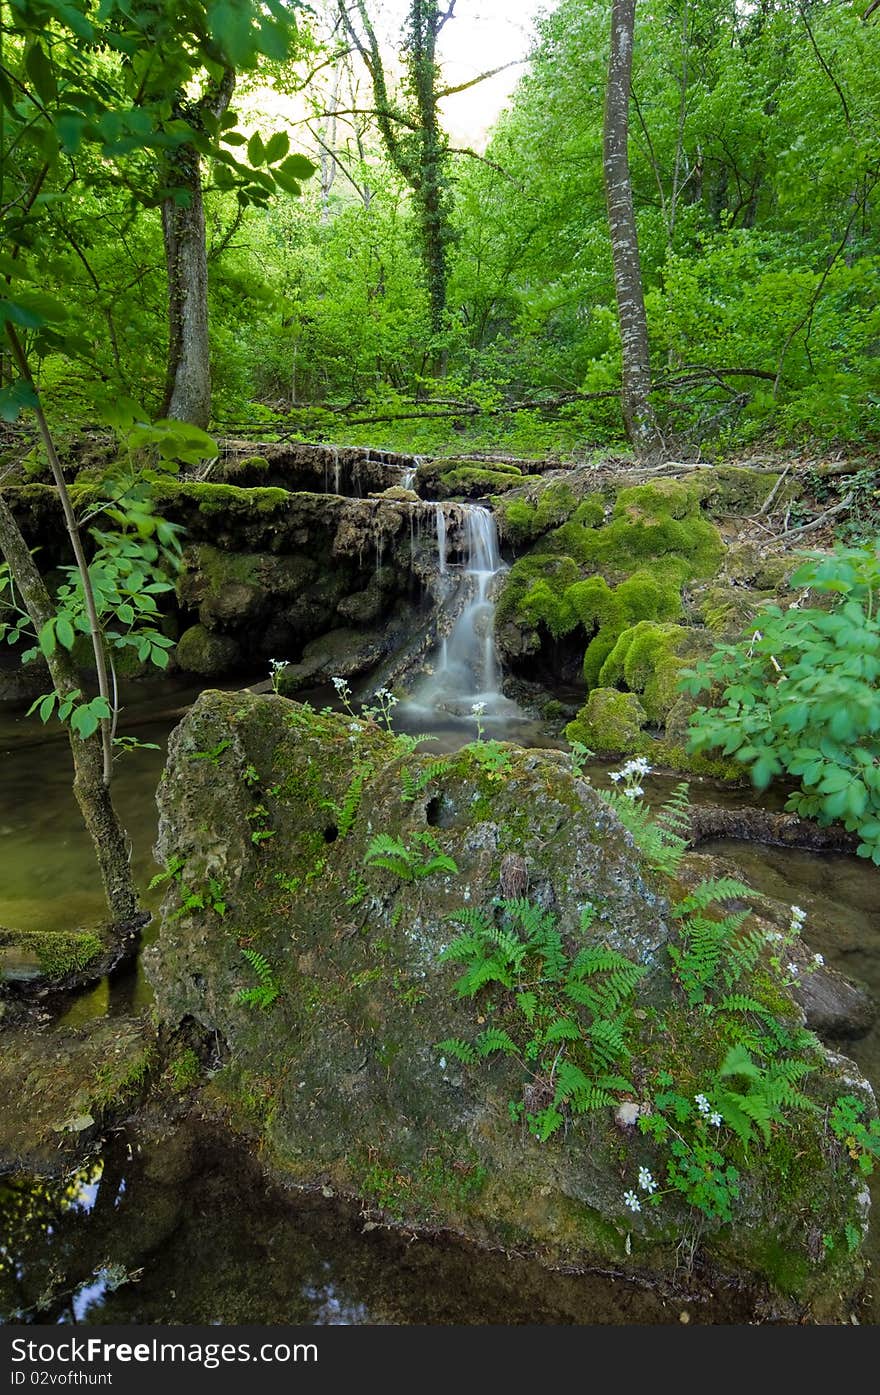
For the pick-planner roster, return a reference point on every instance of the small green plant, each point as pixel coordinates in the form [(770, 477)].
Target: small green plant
[(423, 859), (662, 837), (381, 711), (346, 812), (563, 1018), (478, 710), (209, 897), (214, 754), (264, 993), (580, 754), (494, 758), (713, 952), (184, 1070), (414, 785), (861, 1140), (799, 696)]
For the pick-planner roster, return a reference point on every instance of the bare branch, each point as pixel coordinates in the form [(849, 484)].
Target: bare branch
[(482, 77)]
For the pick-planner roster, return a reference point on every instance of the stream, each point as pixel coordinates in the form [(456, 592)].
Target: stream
[(191, 1232)]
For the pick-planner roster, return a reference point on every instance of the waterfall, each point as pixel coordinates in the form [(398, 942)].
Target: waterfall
[(465, 670), (440, 516)]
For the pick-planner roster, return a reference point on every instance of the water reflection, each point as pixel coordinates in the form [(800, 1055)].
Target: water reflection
[(195, 1235)]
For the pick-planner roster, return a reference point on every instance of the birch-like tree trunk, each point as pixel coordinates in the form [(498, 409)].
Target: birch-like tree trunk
[(188, 374), (638, 414)]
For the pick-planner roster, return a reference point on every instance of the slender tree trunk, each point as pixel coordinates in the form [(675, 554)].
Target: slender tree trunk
[(188, 375), (92, 794), (188, 380), (638, 414)]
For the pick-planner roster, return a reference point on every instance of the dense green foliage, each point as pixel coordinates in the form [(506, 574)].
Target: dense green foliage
[(754, 159), (800, 696), (563, 1018)]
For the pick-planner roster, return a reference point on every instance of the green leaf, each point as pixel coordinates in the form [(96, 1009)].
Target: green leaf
[(46, 638), (64, 632), (298, 166), (739, 1062), (287, 182), (256, 150), (277, 147), (15, 399), (41, 74)]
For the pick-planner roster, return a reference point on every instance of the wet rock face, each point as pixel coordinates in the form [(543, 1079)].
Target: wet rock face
[(317, 962), (314, 566)]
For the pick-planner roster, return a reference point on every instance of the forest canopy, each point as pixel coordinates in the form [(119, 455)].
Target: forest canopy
[(288, 167)]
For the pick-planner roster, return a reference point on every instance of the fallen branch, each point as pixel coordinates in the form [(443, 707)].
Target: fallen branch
[(765, 507), (762, 826), (814, 522)]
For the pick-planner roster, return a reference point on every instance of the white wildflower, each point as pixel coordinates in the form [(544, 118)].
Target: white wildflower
[(797, 914), (774, 936), (638, 766), (634, 792), (702, 1104), (478, 708), (339, 684), (276, 665), (818, 960), (646, 1181), (792, 969), (632, 1201), (616, 775), (716, 1119)]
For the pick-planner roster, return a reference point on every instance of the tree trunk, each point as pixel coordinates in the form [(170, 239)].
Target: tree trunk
[(92, 794), (638, 414), (188, 375), (188, 380)]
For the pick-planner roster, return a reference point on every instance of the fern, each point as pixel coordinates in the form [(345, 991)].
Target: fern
[(264, 993), (414, 785), (661, 839), (409, 864), (710, 891), (571, 1015), (347, 812), (494, 1039), (462, 1050)]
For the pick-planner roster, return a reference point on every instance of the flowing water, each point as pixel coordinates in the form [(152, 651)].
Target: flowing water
[(464, 677)]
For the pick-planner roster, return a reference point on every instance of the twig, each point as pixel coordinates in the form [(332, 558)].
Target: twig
[(815, 522), (765, 507)]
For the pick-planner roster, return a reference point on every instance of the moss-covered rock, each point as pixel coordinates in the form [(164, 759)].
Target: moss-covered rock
[(610, 722), (648, 658), (201, 651), (60, 1085), (28, 956), (324, 978)]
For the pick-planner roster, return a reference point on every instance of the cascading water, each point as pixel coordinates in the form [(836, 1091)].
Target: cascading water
[(465, 674)]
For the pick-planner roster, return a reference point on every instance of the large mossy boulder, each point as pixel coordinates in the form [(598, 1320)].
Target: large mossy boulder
[(318, 870)]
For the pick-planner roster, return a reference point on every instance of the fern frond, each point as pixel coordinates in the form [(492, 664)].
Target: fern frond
[(528, 1005), (473, 918), (494, 1039), (563, 1029), (711, 890), (259, 963), (462, 1050), (440, 863)]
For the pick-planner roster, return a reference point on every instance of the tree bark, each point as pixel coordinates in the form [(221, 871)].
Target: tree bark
[(188, 375), (92, 794), (413, 138), (638, 414)]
